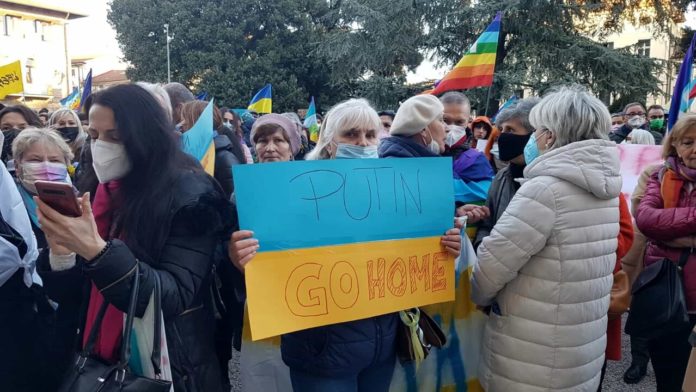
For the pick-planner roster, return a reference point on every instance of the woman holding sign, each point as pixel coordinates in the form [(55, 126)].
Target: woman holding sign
[(357, 355), (156, 212), (546, 269)]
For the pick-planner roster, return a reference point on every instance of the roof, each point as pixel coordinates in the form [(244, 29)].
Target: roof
[(63, 9), (112, 76)]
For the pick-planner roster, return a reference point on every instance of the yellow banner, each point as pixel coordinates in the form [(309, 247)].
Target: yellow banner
[(304, 288), (11, 79)]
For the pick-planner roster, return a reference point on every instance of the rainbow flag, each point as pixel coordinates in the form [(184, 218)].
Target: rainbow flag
[(198, 141), (682, 94), (262, 101), (477, 66), (310, 121)]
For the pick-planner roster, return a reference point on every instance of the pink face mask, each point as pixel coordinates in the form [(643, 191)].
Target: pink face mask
[(43, 171)]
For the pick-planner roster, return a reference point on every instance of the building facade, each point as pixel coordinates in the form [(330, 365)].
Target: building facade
[(35, 33)]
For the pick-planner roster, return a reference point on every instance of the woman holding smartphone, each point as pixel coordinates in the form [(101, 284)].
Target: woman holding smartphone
[(154, 209)]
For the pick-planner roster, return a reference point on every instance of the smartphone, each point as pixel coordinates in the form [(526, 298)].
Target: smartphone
[(59, 196)]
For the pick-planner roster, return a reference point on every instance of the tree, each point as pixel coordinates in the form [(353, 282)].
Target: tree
[(229, 48), (545, 43)]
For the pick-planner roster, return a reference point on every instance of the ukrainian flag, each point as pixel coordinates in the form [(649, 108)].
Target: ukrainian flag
[(198, 141), (262, 101)]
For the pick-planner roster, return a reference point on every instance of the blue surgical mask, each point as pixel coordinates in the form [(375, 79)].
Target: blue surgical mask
[(351, 151), (531, 150)]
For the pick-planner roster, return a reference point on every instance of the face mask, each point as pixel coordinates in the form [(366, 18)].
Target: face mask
[(616, 127), (42, 171), (109, 160), (10, 136), (636, 122), (531, 150), (511, 145), (455, 134), (69, 133), (434, 147), (351, 151), (228, 124), (657, 124), (495, 150)]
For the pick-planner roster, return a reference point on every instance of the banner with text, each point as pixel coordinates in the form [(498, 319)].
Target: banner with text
[(11, 79), (343, 240)]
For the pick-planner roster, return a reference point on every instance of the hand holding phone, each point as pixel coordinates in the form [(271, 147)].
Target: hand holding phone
[(59, 196)]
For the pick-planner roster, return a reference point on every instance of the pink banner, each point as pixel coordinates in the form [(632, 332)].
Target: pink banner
[(634, 159)]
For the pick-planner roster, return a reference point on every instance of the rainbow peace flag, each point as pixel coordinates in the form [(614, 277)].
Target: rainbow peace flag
[(262, 101), (310, 121), (198, 141), (477, 66)]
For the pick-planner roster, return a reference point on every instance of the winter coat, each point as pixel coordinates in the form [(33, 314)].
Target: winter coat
[(198, 221), (620, 134), (500, 194), (659, 224), (547, 268), (224, 160), (402, 147)]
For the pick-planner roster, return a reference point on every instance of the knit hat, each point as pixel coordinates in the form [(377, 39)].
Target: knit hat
[(283, 122), (415, 114)]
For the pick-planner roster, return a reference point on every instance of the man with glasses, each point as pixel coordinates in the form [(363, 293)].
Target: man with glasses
[(658, 122), (634, 117)]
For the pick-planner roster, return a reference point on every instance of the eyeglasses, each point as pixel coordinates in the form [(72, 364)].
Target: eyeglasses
[(631, 114)]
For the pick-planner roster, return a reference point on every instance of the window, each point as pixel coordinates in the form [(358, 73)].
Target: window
[(40, 29), (11, 25), (643, 48)]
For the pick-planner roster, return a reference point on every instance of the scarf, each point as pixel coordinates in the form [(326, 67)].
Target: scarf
[(30, 205), (108, 341), (673, 177)]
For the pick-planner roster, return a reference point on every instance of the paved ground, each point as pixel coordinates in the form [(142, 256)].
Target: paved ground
[(612, 383)]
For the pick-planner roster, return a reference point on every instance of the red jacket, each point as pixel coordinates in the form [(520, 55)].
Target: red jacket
[(661, 224), (613, 352)]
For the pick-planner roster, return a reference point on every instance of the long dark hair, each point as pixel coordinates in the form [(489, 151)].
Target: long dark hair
[(29, 115), (152, 146)]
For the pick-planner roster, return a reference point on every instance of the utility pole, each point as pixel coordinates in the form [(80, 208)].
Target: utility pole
[(169, 69)]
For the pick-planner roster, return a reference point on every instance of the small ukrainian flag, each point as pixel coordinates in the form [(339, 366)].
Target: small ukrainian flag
[(262, 102)]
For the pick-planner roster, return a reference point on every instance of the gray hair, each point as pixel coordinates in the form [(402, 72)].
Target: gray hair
[(455, 97), (518, 111), (178, 95), (641, 136), (573, 115), (79, 141), (160, 94), (29, 136), (632, 104), (353, 113)]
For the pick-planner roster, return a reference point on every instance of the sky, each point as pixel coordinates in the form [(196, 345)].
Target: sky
[(93, 37)]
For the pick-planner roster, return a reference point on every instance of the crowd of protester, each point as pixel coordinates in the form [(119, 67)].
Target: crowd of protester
[(551, 231)]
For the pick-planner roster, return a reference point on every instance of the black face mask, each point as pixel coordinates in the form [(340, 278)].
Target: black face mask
[(10, 136), (69, 133), (511, 145)]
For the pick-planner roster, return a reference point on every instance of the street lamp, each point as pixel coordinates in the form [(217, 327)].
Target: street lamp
[(169, 70)]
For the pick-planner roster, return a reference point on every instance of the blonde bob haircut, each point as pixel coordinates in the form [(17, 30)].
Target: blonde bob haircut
[(81, 135), (351, 114), (30, 136), (685, 123)]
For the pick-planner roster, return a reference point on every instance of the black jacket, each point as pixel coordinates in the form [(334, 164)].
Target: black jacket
[(200, 217), (501, 192), (224, 160)]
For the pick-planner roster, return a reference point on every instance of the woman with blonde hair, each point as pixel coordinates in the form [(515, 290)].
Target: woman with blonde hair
[(68, 125)]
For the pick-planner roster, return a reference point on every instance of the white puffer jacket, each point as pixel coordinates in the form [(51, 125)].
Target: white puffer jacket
[(548, 266)]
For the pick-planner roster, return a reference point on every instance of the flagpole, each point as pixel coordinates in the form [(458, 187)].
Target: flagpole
[(488, 98)]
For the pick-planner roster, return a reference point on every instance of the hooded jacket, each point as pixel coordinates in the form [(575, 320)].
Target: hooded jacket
[(547, 268)]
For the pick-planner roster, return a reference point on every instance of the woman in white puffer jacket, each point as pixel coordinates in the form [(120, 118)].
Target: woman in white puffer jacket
[(546, 269)]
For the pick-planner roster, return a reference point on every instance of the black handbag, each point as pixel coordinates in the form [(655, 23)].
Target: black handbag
[(92, 374), (658, 306)]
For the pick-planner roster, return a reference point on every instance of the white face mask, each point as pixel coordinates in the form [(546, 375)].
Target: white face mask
[(434, 147), (636, 122), (109, 160)]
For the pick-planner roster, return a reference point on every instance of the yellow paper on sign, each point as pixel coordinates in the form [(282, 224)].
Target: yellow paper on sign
[(11, 79), (297, 289)]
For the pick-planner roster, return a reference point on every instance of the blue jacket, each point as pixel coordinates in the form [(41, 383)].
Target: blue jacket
[(403, 147)]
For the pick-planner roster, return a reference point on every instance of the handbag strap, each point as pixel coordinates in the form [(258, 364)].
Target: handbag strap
[(157, 339), (128, 327), (684, 258), (96, 327)]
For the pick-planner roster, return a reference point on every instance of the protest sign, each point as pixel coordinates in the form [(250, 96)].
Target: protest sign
[(342, 240), (11, 79), (634, 159)]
